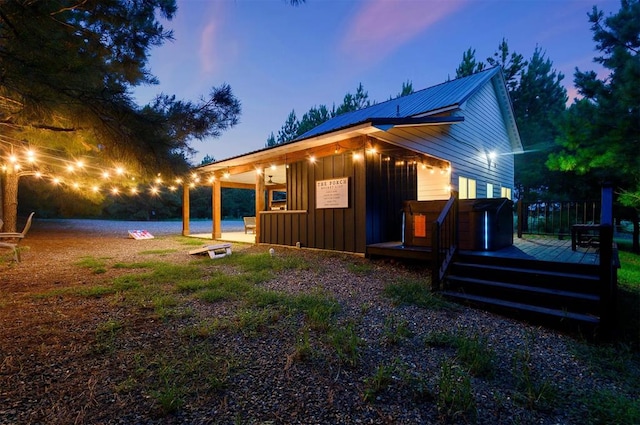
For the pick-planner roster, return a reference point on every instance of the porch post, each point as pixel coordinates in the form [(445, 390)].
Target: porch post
[(606, 207), (185, 209), (259, 201), (216, 208)]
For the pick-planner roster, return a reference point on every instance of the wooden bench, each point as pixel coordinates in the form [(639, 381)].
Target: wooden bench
[(215, 251), (249, 224), (585, 235)]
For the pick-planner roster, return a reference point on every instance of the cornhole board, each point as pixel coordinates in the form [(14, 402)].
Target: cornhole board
[(214, 251), (140, 234)]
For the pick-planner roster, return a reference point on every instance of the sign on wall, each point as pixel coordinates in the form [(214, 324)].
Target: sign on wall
[(332, 193)]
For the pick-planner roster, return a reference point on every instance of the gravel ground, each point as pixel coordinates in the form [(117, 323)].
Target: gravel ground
[(59, 366)]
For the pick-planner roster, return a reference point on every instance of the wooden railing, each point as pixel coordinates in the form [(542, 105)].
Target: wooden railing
[(444, 241), (555, 217)]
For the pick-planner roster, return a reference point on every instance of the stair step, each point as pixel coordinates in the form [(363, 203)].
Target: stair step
[(503, 269), (542, 311), (569, 281), (527, 288), (523, 263)]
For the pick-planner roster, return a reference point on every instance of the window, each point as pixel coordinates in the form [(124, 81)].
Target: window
[(505, 192), (467, 188), (489, 190)]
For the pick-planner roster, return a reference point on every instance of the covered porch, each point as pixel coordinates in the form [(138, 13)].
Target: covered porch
[(237, 237)]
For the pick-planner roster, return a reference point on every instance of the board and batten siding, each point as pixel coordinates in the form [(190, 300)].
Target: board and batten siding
[(337, 229), (390, 182)]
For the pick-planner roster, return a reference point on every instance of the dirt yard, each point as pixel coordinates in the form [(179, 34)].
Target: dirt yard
[(97, 328)]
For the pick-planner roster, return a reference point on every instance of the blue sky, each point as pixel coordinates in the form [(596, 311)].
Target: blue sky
[(277, 57)]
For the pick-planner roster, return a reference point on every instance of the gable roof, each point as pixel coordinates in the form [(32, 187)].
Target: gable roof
[(427, 102), (431, 106)]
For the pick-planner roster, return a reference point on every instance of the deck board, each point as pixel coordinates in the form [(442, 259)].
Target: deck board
[(532, 247)]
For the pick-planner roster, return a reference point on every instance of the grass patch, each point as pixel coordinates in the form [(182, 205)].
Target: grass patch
[(137, 265), (472, 351), (96, 265), (96, 291), (158, 252), (618, 362), (265, 262), (106, 335), (360, 268), (454, 396), (171, 377), (379, 381), (609, 407), (346, 342), (414, 292), (536, 393), (394, 331), (629, 299), (629, 273)]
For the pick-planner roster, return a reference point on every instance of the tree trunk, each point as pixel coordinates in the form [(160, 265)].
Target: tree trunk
[(10, 199)]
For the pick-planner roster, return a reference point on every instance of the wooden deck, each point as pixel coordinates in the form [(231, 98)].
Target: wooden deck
[(531, 247)]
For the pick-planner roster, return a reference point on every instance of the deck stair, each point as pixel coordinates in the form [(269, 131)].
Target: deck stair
[(539, 291)]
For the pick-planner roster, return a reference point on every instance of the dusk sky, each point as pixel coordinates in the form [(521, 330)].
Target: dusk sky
[(277, 57)]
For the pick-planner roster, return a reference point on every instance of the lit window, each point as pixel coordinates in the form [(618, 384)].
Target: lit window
[(489, 190), (466, 188), (505, 192)]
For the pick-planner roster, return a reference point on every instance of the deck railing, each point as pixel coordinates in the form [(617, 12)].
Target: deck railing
[(444, 242), (555, 217)]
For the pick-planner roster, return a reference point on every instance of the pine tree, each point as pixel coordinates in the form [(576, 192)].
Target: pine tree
[(537, 101), (469, 65), (601, 132), (68, 68), (289, 130)]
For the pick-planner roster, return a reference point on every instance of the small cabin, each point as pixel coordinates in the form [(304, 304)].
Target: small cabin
[(346, 184)]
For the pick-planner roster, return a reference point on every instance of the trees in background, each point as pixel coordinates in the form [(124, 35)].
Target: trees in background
[(538, 97), (293, 128), (68, 68), (469, 64), (600, 133)]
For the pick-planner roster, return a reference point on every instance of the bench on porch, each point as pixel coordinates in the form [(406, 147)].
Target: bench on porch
[(249, 224), (585, 235)]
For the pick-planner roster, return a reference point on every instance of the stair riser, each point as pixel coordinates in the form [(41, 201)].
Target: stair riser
[(531, 264), (527, 277), (583, 328), (540, 299)]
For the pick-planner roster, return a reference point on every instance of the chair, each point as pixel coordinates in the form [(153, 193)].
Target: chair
[(14, 238), (249, 224)]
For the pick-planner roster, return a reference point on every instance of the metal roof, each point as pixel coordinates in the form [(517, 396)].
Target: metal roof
[(443, 96)]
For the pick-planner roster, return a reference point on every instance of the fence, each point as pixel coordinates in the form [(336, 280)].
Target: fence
[(555, 217)]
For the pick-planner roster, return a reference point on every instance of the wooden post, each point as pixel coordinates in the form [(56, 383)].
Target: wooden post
[(259, 202), (520, 218), (606, 208), (608, 281), (435, 256), (185, 209), (216, 208)]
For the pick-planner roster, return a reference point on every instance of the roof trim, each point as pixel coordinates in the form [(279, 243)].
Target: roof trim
[(386, 123)]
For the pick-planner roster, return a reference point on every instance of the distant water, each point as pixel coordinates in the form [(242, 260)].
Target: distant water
[(122, 227)]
